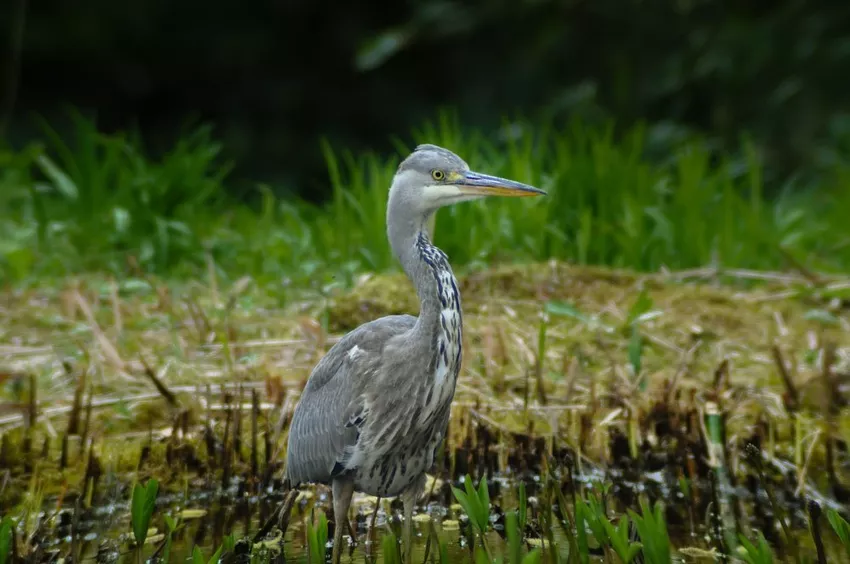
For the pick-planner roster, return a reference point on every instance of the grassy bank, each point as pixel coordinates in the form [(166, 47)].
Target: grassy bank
[(90, 203)]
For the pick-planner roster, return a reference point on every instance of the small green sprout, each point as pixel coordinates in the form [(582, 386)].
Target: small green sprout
[(755, 554), (198, 556), (476, 504), (591, 512), (317, 539), (641, 310), (652, 529), (514, 534), (390, 549), (619, 538)]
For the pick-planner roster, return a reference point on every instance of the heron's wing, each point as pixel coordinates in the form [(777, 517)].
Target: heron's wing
[(326, 422)]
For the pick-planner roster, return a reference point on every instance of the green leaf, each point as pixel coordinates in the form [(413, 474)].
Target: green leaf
[(152, 490), (215, 557), (523, 508), (61, 181), (514, 535), (197, 556), (619, 539), (632, 552), (317, 539), (841, 528), (481, 556), (595, 516), (141, 509), (642, 305), (581, 532), (171, 526), (166, 551), (464, 502), (567, 527), (652, 529), (229, 542), (476, 504), (483, 504), (170, 523), (389, 547), (756, 554), (6, 533), (322, 534)]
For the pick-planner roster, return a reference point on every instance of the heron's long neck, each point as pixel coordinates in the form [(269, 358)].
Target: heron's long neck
[(429, 270), (437, 287)]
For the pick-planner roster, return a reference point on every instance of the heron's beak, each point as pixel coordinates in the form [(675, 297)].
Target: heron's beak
[(477, 184)]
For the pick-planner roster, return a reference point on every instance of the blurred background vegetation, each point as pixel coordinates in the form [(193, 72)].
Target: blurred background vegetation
[(671, 133)]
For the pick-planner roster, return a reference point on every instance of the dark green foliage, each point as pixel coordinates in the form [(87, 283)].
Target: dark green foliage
[(102, 201)]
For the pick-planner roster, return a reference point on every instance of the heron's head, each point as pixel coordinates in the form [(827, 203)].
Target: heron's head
[(432, 177)]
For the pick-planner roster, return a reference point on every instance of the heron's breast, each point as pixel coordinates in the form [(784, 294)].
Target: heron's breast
[(448, 351)]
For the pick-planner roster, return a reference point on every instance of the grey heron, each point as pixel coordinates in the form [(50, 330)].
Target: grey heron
[(376, 406)]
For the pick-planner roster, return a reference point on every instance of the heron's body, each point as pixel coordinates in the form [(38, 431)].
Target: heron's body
[(376, 407)]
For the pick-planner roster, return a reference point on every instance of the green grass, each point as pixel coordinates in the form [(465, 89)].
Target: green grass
[(88, 204)]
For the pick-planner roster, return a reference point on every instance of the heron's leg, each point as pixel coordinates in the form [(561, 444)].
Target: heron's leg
[(409, 498), (409, 501), (343, 488)]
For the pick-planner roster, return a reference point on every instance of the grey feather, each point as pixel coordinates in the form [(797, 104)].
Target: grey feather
[(325, 421)]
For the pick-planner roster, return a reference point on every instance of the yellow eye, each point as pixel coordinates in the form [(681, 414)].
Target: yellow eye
[(438, 174)]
